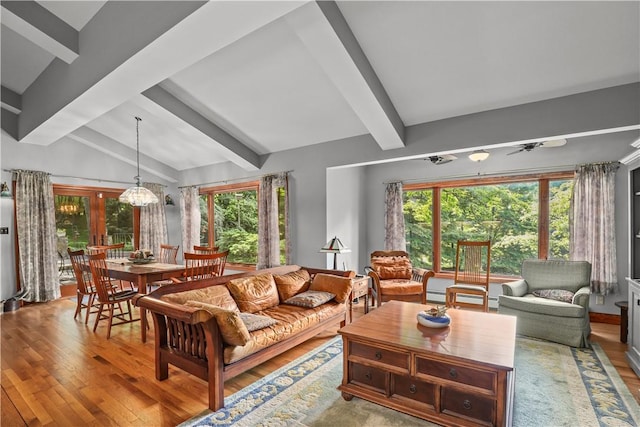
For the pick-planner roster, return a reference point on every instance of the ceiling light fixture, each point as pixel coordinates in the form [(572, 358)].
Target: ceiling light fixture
[(479, 155), (138, 195)]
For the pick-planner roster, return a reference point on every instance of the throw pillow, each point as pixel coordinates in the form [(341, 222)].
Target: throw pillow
[(254, 293), (392, 267), (230, 324), (337, 285), (214, 295), (310, 299), (292, 283), (253, 322), (555, 294)]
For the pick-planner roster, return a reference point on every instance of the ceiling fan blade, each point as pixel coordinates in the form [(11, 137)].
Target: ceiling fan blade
[(516, 152)]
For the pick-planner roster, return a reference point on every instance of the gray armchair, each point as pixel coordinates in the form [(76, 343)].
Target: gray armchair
[(541, 312)]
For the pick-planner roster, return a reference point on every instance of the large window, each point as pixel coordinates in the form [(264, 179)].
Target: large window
[(523, 217)]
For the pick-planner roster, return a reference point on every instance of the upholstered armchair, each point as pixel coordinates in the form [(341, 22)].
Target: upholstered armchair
[(394, 278), (551, 301)]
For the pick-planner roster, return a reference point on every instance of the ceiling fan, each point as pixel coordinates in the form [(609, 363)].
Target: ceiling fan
[(441, 160), (532, 145)]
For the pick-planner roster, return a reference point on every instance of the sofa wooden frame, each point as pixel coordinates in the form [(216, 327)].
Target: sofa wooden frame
[(189, 338)]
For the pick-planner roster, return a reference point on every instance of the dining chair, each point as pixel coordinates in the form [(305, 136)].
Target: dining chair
[(108, 297), (203, 266), (85, 287), (168, 255), (471, 277), (205, 249), (112, 252)]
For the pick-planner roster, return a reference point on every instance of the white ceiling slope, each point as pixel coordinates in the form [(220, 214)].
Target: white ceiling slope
[(234, 81)]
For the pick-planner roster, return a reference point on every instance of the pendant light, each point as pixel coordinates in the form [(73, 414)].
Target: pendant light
[(138, 195)]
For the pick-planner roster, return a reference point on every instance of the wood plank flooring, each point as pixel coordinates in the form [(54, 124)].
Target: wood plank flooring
[(56, 371)]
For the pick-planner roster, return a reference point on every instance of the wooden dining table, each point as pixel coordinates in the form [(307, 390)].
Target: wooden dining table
[(141, 275)]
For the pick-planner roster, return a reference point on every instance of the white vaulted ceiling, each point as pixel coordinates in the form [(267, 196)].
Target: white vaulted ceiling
[(235, 81)]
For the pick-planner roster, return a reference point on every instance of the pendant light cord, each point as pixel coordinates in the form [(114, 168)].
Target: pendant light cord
[(138, 120)]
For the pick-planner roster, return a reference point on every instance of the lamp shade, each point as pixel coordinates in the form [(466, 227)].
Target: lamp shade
[(335, 246), (138, 196), (479, 155)]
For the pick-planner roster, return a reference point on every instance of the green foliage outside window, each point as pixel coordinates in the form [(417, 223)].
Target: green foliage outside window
[(506, 214)]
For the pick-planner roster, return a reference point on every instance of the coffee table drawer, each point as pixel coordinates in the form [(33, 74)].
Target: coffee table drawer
[(368, 376), (468, 405), (413, 389), (477, 378), (395, 359)]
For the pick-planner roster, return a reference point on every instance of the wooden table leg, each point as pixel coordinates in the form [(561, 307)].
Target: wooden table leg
[(142, 289)]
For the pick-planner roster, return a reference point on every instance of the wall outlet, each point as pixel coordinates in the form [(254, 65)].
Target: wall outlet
[(599, 299), (4, 230)]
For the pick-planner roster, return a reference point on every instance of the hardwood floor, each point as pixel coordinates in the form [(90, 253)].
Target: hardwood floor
[(56, 371)]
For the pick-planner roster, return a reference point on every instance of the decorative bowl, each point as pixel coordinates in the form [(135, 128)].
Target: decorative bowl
[(428, 320), (142, 260)]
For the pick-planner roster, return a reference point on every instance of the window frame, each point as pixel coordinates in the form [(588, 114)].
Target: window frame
[(210, 192), (543, 180)]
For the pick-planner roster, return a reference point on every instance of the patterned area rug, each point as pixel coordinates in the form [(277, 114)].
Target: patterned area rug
[(556, 385)]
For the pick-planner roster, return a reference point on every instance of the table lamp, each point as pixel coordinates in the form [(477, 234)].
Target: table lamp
[(335, 247)]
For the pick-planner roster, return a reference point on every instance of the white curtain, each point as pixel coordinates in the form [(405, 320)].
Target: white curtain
[(268, 229), (36, 230), (394, 238), (153, 221), (190, 217), (592, 224)]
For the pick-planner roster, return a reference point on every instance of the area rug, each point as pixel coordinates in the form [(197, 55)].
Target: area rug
[(556, 385)]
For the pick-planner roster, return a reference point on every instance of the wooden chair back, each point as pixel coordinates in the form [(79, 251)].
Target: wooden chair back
[(111, 251), (83, 277), (168, 254), (100, 274), (206, 265), (473, 263), (205, 249)]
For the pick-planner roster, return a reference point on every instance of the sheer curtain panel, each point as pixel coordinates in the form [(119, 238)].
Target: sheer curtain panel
[(153, 221), (268, 221), (592, 224), (394, 238), (36, 230), (190, 217)]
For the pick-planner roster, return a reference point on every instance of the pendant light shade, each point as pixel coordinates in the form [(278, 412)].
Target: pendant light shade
[(138, 195)]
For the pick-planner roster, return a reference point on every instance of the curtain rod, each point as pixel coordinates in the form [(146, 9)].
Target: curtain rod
[(225, 181), (82, 177), (482, 175)]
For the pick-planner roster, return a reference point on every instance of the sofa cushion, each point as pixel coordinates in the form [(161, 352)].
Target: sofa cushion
[(214, 295), (533, 304), (310, 299), (337, 285), (254, 293), (232, 328), (555, 294), (392, 267), (253, 322), (401, 287), (292, 283)]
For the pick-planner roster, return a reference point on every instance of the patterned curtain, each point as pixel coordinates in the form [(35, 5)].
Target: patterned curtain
[(268, 229), (153, 221), (394, 238), (592, 224), (190, 217), (36, 230)]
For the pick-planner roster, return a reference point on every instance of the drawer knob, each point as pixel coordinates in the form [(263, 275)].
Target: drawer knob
[(368, 376), (413, 389), (378, 355), (453, 373), (466, 404)]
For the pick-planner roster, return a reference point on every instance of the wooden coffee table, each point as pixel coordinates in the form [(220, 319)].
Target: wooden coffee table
[(461, 375)]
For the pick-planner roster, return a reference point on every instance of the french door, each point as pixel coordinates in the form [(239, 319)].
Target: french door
[(87, 216)]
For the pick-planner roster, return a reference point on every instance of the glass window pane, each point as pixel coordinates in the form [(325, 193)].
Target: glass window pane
[(559, 205), (236, 225), (418, 217), (119, 221), (72, 221), (204, 221), (506, 214)]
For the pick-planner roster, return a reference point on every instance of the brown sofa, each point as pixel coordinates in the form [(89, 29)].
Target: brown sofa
[(220, 327)]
